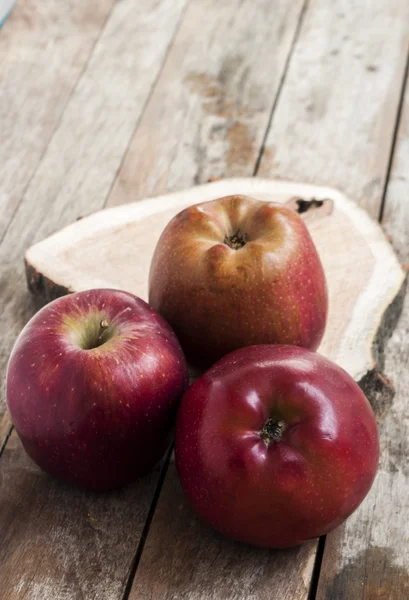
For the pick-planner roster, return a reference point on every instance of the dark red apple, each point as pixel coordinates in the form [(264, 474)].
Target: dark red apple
[(275, 445), (93, 385), (235, 272)]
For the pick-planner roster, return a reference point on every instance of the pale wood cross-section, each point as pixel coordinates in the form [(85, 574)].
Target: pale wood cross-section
[(113, 249)]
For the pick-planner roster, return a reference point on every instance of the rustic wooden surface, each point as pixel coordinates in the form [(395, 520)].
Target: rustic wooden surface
[(368, 558), (220, 82), (336, 116), (330, 79), (58, 543), (200, 564), (33, 98)]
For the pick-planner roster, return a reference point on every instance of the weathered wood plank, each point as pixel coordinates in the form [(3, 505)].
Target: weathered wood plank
[(210, 109), (369, 557), (5, 430), (43, 49), (59, 543), (335, 118), (80, 163), (396, 209)]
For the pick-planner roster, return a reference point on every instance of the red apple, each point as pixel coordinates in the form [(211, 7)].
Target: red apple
[(275, 445), (93, 385), (235, 272)]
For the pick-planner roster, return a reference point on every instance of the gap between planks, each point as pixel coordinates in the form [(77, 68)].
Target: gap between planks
[(145, 531), (149, 96), (280, 87), (395, 137)]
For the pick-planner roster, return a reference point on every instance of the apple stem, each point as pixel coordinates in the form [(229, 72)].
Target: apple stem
[(272, 431), (103, 326)]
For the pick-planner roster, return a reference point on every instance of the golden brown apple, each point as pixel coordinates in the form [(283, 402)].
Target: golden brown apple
[(235, 272)]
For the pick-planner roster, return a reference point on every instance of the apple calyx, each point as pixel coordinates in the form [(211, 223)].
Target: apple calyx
[(236, 240), (272, 431)]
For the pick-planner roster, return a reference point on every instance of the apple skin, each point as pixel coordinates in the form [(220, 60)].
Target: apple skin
[(97, 418), (257, 484), (217, 298)]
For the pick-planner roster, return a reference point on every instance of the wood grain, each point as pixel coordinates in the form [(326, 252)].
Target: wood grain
[(59, 543), (80, 163), (369, 557), (59, 36), (187, 560), (396, 210), (335, 118), (210, 109)]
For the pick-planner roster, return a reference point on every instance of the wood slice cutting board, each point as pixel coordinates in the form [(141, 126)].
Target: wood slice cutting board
[(113, 249)]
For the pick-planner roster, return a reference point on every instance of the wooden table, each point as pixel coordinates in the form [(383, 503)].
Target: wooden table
[(105, 102)]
